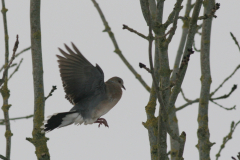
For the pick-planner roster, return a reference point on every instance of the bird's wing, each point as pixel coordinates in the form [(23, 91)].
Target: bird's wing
[(80, 78)]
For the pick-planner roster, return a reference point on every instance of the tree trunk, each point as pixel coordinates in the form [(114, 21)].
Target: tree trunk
[(39, 140), (204, 144)]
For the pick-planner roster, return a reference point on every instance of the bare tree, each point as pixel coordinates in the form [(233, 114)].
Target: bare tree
[(166, 83), (5, 92)]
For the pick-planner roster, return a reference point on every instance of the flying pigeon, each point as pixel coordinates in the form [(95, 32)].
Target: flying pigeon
[(85, 88)]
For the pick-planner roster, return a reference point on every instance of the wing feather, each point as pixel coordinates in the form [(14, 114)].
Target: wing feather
[(80, 78)]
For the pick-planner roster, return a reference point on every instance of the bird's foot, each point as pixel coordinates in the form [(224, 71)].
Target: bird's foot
[(101, 121)]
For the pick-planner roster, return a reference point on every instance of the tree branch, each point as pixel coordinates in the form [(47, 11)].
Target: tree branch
[(195, 48), (134, 31), (227, 138), (212, 13), (16, 69), (177, 9), (22, 51), (186, 99), (1, 68), (117, 50), (225, 80), (160, 147), (238, 156), (234, 107), (10, 62), (161, 101), (4, 89), (4, 158), (152, 122), (14, 64), (226, 95), (197, 100), (182, 42), (144, 7), (141, 65), (192, 29), (235, 40), (187, 104), (204, 145), (17, 118), (50, 93), (39, 140)]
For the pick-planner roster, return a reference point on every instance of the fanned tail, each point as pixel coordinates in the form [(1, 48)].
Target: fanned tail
[(59, 120)]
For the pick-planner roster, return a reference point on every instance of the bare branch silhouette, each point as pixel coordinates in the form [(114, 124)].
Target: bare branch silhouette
[(117, 50)]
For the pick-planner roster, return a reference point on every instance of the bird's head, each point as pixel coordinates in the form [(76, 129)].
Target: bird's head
[(118, 81)]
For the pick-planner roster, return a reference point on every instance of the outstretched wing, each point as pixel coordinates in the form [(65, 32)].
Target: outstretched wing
[(80, 78)]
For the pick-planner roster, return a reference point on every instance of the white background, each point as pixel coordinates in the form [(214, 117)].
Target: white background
[(126, 138)]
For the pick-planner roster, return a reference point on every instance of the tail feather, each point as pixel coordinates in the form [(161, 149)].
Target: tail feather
[(59, 120)]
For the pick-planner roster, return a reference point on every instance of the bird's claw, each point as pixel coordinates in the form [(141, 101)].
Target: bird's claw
[(101, 121)]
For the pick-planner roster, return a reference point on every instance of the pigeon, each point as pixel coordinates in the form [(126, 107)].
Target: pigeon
[(85, 88)]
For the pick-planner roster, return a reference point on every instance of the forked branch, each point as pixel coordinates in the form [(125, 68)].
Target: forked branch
[(10, 62)]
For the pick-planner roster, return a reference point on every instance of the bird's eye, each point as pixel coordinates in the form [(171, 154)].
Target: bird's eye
[(119, 81)]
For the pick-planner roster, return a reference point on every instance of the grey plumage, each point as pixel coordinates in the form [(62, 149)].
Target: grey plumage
[(85, 89)]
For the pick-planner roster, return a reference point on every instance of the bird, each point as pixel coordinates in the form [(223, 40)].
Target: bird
[(85, 88)]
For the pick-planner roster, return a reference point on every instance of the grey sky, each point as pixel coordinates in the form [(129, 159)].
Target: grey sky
[(126, 138)]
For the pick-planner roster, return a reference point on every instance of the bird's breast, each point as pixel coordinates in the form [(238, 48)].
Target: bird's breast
[(105, 106)]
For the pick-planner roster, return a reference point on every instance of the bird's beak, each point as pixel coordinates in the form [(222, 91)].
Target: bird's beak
[(123, 87)]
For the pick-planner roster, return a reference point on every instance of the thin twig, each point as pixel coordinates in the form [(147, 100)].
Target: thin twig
[(10, 62), (227, 138), (186, 99), (234, 107), (17, 118), (234, 158), (238, 156), (117, 50), (50, 93), (134, 31), (235, 40), (1, 68), (22, 51), (187, 104), (226, 95), (16, 69), (195, 48), (14, 64), (225, 80), (197, 100)]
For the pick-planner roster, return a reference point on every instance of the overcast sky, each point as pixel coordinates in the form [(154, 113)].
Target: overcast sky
[(126, 138)]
